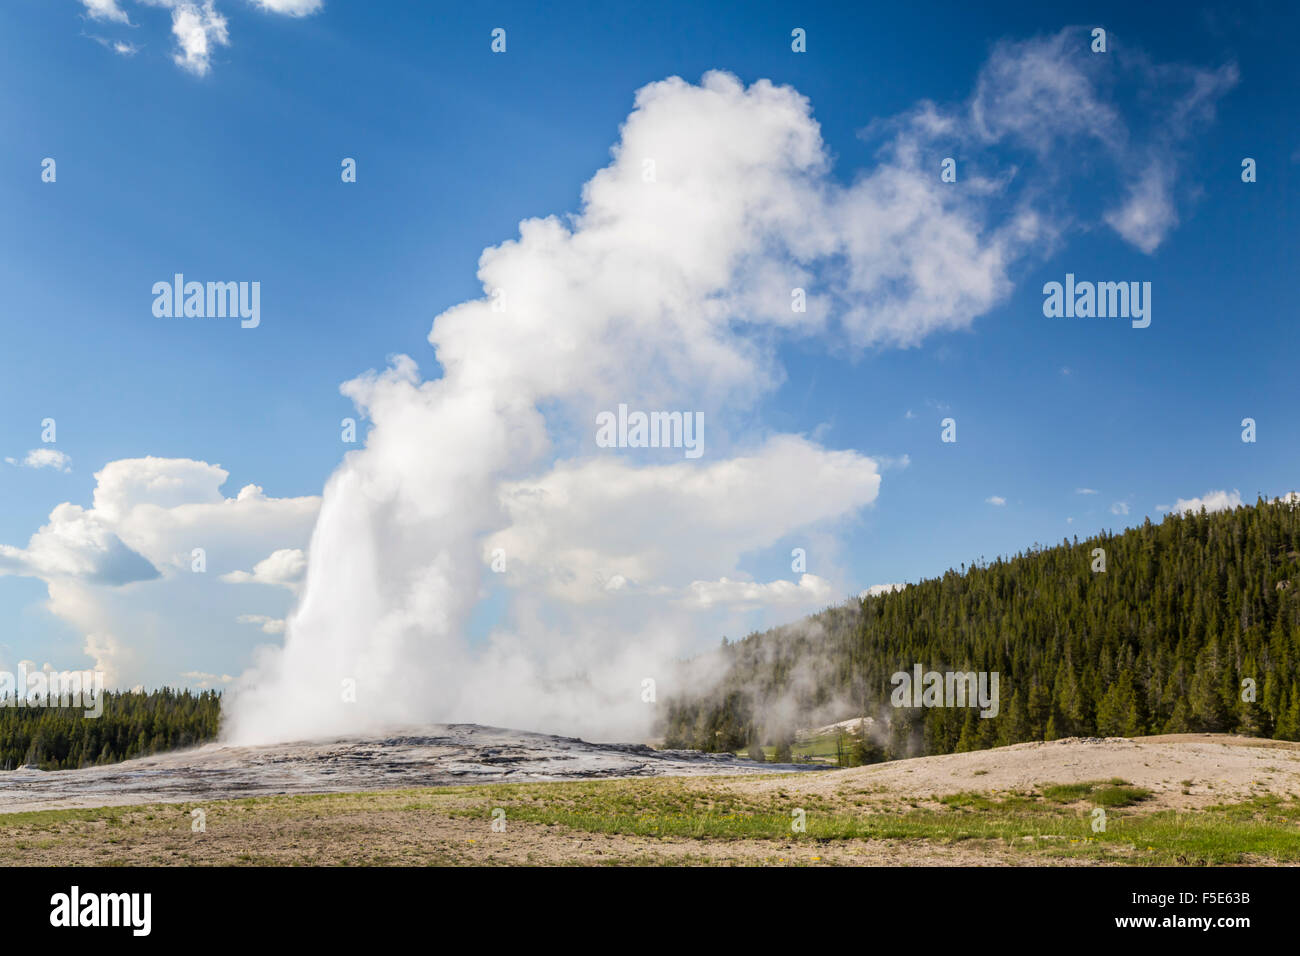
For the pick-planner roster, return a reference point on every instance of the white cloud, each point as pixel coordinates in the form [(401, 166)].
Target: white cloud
[(878, 589), (1119, 508), (197, 25), (997, 500), (808, 591), (1086, 491), (269, 625), (293, 8), (284, 568), (105, 10), (583, 523), (77, 543), (120, 572), (110, 657), (44, 458), (1042, 94), (1211, 501), (197, 30), (203, 679), (1149, 211), (1148, 214)]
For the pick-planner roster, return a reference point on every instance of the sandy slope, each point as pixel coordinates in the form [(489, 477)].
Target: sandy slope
[(1220, 768)]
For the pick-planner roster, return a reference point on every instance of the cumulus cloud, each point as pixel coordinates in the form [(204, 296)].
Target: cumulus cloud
[(110, 657), (1119, 508), (77, 543), (878, 589), (809, 590), (121, 572), (996, 500), (584, 523), (1211, 501), (44, 458), (283, 568), (1086, 491)]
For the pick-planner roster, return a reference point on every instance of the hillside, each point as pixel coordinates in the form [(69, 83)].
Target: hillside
[(132, 724), (1160, 642)]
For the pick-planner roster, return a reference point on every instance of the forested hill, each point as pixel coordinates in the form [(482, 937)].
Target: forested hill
[(1160, 642), (132, 724)]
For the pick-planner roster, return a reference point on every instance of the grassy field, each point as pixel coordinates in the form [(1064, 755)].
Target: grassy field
[(821, 748), (663, 821)]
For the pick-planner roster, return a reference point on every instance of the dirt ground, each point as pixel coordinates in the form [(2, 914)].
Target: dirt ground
[(1183, 771), (394, 838)]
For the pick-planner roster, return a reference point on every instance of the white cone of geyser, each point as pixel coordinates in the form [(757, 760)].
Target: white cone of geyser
[(668, 290)]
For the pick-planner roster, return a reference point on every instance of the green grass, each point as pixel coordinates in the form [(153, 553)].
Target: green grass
[(969, 800), (820, 749), (47, 819), (1045, 823), (1264, 829), (1101, 793)]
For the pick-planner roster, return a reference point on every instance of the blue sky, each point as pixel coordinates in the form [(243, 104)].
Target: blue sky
[(230, 170)]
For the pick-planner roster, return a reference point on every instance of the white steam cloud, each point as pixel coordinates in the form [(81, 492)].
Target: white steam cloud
[(670, 289)]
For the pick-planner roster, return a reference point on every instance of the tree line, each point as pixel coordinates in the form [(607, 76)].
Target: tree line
[(131, 725), (1192, 626)]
